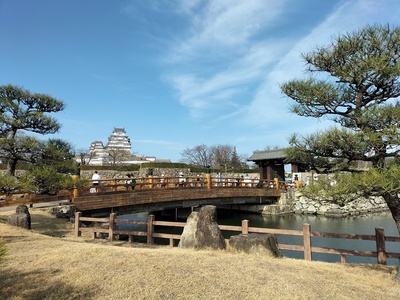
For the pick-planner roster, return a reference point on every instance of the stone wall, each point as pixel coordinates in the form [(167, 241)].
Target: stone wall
[(303, 205)]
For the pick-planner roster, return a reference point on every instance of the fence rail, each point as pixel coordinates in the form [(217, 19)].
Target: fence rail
[(306, 233)]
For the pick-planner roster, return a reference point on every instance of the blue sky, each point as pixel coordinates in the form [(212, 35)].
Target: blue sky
[(174, 73)]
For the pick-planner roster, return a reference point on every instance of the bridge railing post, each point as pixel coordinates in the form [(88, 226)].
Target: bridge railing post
[(77, 223), (276, 183), (150, 229), (75, 192), (245, 226), (208, 180), (150, 181)]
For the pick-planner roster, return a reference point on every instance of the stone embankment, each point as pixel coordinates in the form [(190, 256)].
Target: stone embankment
[(304, 205)]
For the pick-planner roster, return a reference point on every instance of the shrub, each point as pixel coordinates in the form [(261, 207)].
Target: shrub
[(8, 184), (45, 180)]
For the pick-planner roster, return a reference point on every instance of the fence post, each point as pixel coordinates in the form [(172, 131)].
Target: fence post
[(343, 258), (150, 229), (77, 223), (307, 241), (380, 246), (245, 226), (111, 227)]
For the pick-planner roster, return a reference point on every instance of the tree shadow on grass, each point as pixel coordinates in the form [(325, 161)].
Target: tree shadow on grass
[(36, 285), (375, 267), (51, 226), (46, 224)]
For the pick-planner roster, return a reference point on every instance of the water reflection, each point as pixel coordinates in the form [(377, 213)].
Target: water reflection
[(365, 224), (133, 227)]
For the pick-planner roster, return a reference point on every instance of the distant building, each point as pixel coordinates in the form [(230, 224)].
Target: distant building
[(118, 140), (271, 164), (117, 151)]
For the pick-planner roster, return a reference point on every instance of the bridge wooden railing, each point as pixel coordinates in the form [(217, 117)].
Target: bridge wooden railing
[(110, 185), (30, 198), (307, 248), (159, 182), (152, 182)]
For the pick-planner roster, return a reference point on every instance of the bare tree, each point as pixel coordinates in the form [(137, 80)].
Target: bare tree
[(116, 156), (198, 155), (84, 156), (222, 156), (218, 156)]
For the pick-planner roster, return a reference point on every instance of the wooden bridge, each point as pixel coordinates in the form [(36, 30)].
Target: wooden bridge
[(158, 193)]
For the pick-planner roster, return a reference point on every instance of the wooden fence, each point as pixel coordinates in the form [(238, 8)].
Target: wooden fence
[(306, 233)]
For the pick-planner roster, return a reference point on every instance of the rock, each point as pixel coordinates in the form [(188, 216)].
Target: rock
[(23, 209), (276, 209), (255, 243), (20, 220), (201, 230), (188, 237), (336, 213), (208, 234), (310, 209), (64, 211)]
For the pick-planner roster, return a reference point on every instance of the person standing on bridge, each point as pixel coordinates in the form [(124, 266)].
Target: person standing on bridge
[(95, 181), (96, 178)]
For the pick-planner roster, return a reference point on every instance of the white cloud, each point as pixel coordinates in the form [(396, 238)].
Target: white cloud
[(240, 62), (224, 26), (199, 93), (269, 103)]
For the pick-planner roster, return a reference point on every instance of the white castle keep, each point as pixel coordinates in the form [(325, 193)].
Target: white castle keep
[(118, 141), (117, 151)]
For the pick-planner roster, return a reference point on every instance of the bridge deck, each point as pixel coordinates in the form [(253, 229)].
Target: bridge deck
[(154, 196)]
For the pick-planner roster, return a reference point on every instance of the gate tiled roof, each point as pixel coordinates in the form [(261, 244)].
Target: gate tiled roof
[(267, 155)]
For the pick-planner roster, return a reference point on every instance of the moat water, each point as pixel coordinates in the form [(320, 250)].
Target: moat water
[(364, 224)]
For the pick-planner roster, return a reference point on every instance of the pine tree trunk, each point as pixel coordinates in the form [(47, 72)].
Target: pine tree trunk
[(393, 202), (11, 167)]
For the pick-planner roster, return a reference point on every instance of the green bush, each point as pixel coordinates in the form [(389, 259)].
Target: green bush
[(9, 184), (45, 180)]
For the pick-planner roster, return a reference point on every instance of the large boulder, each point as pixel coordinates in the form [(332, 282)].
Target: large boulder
[(188, 237), (255, 243), (201, 230), (208, 234), (21, 218)]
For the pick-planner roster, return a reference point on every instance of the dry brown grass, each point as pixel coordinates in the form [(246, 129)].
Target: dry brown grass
[(38, 266)]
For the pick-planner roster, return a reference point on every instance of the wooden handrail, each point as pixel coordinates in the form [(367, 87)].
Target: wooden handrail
[(113, 185), (307, 234)]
